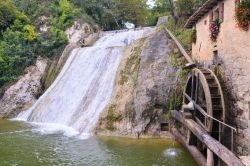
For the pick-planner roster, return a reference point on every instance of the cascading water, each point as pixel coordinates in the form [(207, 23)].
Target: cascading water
[(83, 88)]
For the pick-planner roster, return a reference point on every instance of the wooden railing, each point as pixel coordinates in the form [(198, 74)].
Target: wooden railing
[(181, 48), (212, 144), (208, 117)]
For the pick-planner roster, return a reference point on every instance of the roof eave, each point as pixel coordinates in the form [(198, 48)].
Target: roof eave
[(208, 5)]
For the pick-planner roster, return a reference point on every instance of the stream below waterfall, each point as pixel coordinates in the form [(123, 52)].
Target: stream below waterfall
[(22, 145)]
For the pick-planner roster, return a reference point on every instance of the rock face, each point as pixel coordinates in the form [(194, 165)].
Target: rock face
[(24, 92), (82, 33), (156, 80), (162, 20), (145, 84)]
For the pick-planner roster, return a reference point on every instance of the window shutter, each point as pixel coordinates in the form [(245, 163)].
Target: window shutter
[(237, 2), (211, 17), (221, 15)]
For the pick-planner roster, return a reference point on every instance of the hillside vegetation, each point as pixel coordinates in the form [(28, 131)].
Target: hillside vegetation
[(33, 28)]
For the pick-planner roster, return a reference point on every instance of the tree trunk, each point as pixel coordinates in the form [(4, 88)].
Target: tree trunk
[(172, 11)]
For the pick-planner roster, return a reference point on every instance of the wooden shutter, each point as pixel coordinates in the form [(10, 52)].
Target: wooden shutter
[(211, 17), (237, 2), (221, 12)]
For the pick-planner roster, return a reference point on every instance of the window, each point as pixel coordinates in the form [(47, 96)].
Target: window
[(221, 15), (218, 13), (237, 2), (211, 17)]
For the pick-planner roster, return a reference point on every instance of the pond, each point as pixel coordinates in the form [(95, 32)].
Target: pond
[(22, 145)]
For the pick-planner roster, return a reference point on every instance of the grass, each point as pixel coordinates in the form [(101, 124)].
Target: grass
[(181, 33)]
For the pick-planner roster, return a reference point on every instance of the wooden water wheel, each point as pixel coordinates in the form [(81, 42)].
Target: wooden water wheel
[(204, 94)]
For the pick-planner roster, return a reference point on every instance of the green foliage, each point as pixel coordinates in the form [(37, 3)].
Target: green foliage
[(103, 12), (16, 52), (63, 14), (154, 14), (132, 11), (58, 37), (181, 33), (20, 40), (29, 33), (8, 14), (67, 16), (193, 36), (112, 14), (185, 8)]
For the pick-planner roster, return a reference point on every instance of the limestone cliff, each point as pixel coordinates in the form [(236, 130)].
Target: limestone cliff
[(146, 82)]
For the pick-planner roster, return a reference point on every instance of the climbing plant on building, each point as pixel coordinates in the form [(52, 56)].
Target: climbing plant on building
[(242, 15), (214, 29), (193, 36)]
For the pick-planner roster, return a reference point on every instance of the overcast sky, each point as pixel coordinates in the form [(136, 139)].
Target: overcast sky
[(151, 3)]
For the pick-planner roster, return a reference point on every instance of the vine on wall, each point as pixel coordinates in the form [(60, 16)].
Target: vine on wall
[(193, 36)]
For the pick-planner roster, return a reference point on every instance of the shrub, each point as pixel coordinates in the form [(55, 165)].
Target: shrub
[(30, 33)]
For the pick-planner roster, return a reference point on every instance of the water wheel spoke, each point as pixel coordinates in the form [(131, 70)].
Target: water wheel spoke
[(197, 88), (203, 91), (192, 86)]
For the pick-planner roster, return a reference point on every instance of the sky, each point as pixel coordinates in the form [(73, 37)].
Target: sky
[(151, 3)]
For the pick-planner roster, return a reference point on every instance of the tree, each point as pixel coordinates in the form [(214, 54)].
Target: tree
[(134, 11), (8, 13)]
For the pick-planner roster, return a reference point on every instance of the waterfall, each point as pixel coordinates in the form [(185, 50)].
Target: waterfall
[(84, 87)]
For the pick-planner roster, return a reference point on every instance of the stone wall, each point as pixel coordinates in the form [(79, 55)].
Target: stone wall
[(231, 55)]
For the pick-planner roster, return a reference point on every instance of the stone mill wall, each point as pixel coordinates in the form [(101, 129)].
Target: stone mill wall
[(230, 55)]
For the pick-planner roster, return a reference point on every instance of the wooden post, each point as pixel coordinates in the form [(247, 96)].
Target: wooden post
[(182, 50), (197, 155), (210, 158), (212, 144)]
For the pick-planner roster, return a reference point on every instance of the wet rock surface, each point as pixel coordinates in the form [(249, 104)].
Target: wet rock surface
[(145, 85)]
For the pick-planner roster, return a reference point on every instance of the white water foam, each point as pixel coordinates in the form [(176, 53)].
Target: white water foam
[(84, 87)]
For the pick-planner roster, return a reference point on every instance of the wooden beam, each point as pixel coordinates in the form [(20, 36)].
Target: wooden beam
[(182, 50), (200, 12), (215, 146), (197, 155)]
